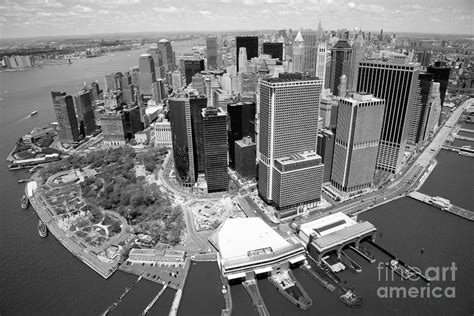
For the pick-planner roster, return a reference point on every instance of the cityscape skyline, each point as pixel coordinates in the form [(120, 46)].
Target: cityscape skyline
[(32, 18)]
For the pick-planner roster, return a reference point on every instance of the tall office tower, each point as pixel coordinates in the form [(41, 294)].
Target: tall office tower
[(421, 109), (182, 136), (298, 53), (190, 67), (342, 87), (211, 46), (113, 132), (236, 84), (127, 88), (245, 158), (424, 58), (341, 56), (147, 73), (142, 108), (396, 84), (158, 91), (135, 76), (242, 60), (326, 150), (381, 35), (198, 84), (249, 83), (310, 52), (63, 104), (274, 49), (328, 102), (321, 61), (177, 80), (110, 82), (226, 82), (359, 123), (85, 112), (155, 53), (113, 99), (358, 54), (251, 45), (131, 121), (290, 171), (197, 104), (242, 124), (95, 91), (215, 149), (435, 110), (167, 55), (440, 74)]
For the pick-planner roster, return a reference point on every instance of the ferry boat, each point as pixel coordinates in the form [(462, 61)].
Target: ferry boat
[(34, 113), (351, 299), (289, 287), (42, 229), (24, 202), (400, 270)]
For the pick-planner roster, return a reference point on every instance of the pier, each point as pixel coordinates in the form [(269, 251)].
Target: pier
[(350, 263), (125, 292), (252, 289), (328, 286), (149, 306), (227, 311), (361, 251), (443, 204)]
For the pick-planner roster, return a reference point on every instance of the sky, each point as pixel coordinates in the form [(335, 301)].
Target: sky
[(30, 18)]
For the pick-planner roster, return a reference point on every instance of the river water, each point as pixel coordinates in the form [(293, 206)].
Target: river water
[(40, 277)]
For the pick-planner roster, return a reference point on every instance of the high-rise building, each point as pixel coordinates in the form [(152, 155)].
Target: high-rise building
[(147, 73), (128, 90), (95, 91), (112, 128), (242, 60), (435, 110), (135, 76), (273, 49), (177, 80), (158, 60), (159, 91), (242, 124), (290, 171), (424, 58), (197, 104), (321, 61), (249, 83), (167, 55), (358, 54), (342, 87), (298, 53), (440, 74), (85, 112), (63, 104), (215, 149), (251, 45), (245, 158), (396, 84), (211, 48), (421, 109), (110, 83), (113, 99), (341, 57), (359, 124), (326, 150), (190, 67), (310, 52)]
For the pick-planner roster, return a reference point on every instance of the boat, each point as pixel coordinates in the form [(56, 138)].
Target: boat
[(289, 287), (24, 202), (22, 180), (42, 229), (34, 113), (351, 299), (400, 269)]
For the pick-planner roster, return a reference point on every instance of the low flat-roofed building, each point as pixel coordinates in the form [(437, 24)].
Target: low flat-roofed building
[(249, 247), (157, 256)]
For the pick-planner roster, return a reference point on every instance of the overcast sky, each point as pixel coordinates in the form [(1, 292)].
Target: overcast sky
[(23, 18)]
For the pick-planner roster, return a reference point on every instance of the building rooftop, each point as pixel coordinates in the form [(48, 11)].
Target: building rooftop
[(243, 237), (289, 79), (343, 235), (342, 44), (327, 224), (307, 155), (163, 41)]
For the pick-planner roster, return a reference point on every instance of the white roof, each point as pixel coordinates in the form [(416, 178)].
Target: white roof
[(237, 236), (328, 224)]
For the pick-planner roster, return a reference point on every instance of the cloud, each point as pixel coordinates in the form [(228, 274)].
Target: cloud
[(226, 1), (166, 10), (351, 5), (80, 8), (205, 12)]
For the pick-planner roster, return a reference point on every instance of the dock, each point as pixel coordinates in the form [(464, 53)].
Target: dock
[(443, 204), (251, 287), (363, 253), (227, 311), (328, 286), (149, 306), (350, 263)]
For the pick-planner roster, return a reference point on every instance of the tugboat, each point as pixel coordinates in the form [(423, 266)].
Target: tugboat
[(34, 113), (24, 202), (351, 299), (42, 229), (400, 270)]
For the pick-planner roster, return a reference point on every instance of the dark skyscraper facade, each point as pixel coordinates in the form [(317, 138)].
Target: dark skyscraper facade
[(190, 67), (396, 84), (167, 55), (68, 130), (440, 74), (310, 52), (245, 157), (158, 60), (250, 43), (197, 104), (242, 118), (85, 112), (341, 56), (147, 73), (421, 109), (273, 49), (326, 150), (211, 47)]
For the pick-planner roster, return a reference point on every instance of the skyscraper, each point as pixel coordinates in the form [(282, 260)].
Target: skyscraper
[(159, 91), (310, 51), (242, 60), (421, 109), (440, 74), (358, 54), (197, 104), (147, 73), (435, 110), (290, 171), (158, 60), (177, 80), (245, 157), (326, 151), (211, 45), (242, 122), (341, 56), (85, 112), (273, 49), (359, 123), (251, 45), (128, 90), (215, 149), (396, 84), (63, 104), (321, 61), (190, 67), (167, 55), (298, 53), (95, 91)]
